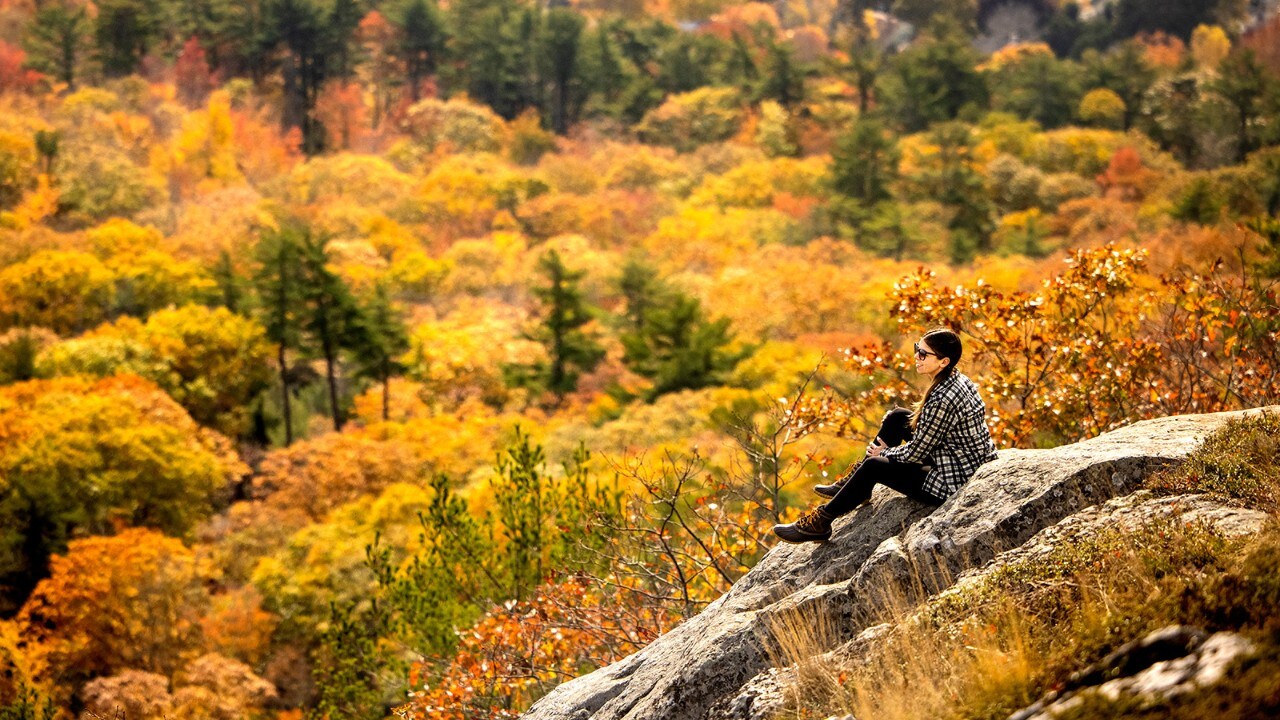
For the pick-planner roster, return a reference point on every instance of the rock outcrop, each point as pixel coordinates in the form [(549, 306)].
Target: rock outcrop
[(716, 665)]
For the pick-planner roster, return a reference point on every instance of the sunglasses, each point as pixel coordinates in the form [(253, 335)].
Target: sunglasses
[(922, 354)]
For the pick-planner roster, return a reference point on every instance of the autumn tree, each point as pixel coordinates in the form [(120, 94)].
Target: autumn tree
[(211, 361), (87, 456), (192, 76), (113, 603), (66, 291)]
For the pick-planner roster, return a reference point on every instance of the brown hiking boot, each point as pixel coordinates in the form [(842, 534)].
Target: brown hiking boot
[(813, 526), (829, 491)]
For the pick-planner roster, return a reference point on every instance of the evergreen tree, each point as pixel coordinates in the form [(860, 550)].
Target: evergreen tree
[(330, 316), (563, 35), (230, 286), (668, 338), (865, 163), (420, 43), (1176, 17), (54, 41), (783, 78), (278, 286), (959, 186), (124, 31), (381, 338), (571, 350), (933, 80), (487, 33), (1249, 89), (302, 27), (1038, 87), (343, 20), (1123, 70)]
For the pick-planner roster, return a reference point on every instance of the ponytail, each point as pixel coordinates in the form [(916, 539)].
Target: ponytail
[(947, 345)]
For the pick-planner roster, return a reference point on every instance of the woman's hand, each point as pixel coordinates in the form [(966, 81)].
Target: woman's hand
[(876, 448)]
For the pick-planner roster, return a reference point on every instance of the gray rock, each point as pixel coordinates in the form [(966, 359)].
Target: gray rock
[(1169, 662), (889, 550), (767, 694)]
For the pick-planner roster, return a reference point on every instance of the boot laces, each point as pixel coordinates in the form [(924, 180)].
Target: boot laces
[(810, 522)]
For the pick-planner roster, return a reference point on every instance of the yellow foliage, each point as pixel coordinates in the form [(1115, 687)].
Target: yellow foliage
[(36, 205), (1102, 107), (204, 152), (705, 240), (755, 184), (461, 356), (64, 291), (496, 263), (122, 239), (1209, 46), (462, 195), (1013, 54)]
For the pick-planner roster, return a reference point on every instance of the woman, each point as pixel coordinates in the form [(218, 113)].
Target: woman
[(946, 439)]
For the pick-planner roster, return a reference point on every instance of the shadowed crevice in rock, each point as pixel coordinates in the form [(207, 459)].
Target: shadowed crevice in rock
[(876, 555)]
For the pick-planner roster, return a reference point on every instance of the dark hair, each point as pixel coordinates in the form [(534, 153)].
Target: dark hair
[(945, 344)]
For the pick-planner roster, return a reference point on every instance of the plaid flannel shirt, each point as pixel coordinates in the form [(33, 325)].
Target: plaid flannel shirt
[(951, 436)]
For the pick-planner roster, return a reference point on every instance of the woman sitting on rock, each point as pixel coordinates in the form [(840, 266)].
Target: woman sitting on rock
[(926, 454)]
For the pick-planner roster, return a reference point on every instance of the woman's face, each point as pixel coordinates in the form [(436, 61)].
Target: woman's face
[(927, 361)]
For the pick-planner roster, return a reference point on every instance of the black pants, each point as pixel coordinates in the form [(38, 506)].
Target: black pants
[(906, 478)]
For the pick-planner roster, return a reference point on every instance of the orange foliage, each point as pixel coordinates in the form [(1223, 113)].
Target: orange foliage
[(520, 650), (317, 475), (1125, 177), (236, 625), (341, 109), (263, 154), (113, 603), (1100, 344), (1162, 50)]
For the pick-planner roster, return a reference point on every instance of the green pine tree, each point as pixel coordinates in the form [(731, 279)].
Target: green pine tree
[(668, 338), (278, 287), (380, 340), (571, 350)]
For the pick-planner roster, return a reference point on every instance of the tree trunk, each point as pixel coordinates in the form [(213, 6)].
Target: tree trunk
[(288, 409)]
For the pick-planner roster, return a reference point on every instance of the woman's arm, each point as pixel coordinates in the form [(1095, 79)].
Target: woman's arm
[(936, 418)]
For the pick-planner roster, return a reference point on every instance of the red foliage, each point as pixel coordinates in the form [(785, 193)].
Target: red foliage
[(1264, 41), (191, 74), (1125, 177), (12, 75)]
